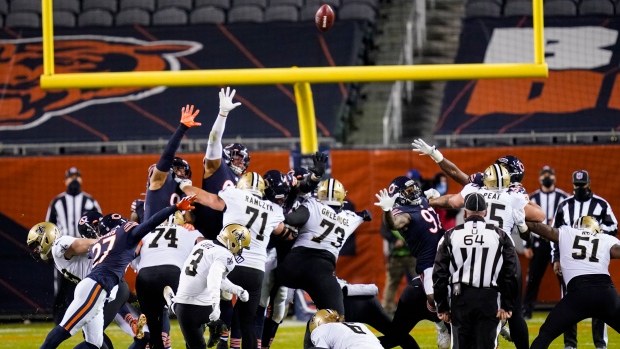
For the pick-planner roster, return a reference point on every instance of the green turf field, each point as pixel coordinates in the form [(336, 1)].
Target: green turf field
[(290, 335)]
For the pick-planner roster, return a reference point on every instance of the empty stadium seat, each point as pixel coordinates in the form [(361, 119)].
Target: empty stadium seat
[(372, 3), (108, 5), (596, 7), (260, 3), (4, 7), (246, 14), (281, 14), (184, 4), (560, 8), (357, 11), (296, 3), (517, 8), (208, 14), (23, 20), (64, 19), (170, 16), (224, 4), (148, 5), (133, 16), (317, 3), (72, 6), (95, 18), (307, 13), (26, 6), (483, 9)]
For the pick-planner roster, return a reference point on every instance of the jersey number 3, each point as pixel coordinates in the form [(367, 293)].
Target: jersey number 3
[(583, 250), (329, 226)]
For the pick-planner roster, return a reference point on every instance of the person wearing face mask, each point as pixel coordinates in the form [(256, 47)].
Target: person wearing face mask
[(65, 212), (583, 202), (538, 250)]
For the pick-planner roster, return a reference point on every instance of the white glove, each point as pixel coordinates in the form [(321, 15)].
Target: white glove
[(385, 201), (226, 103), (432, 194), (243, 295), (215, 314), (183, 182), (518, 216), (420, 146)]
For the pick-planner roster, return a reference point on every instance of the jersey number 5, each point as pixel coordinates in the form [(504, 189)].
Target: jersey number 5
[(104, 245), (329, 226), (583, 250)]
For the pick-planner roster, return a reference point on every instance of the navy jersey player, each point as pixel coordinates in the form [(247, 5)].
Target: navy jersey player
[(407, 210), (111, 254), (137, 211), (162, 189)]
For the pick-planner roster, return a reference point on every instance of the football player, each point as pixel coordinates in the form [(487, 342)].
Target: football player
[(585, 255), (406, 209), (327, 331), (244, 204), (197, 300), (162, 254), (324, 227), (118, 241)]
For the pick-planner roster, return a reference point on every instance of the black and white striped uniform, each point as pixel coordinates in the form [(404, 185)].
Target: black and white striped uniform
[(478, 262), (567, 213)]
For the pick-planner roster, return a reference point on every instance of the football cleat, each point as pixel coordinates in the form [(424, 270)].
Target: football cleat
[(168, 295), (505, 331), (216, 329), (140, 326)]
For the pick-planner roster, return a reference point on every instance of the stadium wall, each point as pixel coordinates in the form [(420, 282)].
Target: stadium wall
[(27, 185)]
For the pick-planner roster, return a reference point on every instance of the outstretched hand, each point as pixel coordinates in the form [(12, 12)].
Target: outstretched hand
[(385, 201), (186, 203), (226, 101), (319, 164), (188, 115)]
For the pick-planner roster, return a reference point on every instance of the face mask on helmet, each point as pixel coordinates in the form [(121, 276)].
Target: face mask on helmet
[(41, 237), (515, 167), (88, 225), (181, 168), (110, 222), (237, 157), (277, 187), (409, 190)]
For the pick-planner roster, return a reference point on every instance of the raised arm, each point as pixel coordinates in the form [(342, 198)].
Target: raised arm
[(140, 230), (213, 156), (446, 165), (448, 201), (158, 174), (386, 202), (202, 197), (542, 229)]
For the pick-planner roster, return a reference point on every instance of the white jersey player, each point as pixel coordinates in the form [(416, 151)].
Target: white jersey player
[(203, 275), (326, 331)]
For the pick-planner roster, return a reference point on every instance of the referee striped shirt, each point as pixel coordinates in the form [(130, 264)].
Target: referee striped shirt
[(476, 254), (548, 202), (66, 210), (570, 210)]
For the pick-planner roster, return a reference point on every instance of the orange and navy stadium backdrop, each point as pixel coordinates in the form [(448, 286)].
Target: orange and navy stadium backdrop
[(27, 185), (582, 92)]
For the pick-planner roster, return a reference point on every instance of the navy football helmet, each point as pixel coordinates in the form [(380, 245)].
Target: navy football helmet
[(409, 189), (236, 150), (110, 222), (277, 187), (515, 167), (181, 164), (88, 225)]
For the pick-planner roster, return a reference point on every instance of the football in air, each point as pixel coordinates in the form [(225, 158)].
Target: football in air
[(324, 18)]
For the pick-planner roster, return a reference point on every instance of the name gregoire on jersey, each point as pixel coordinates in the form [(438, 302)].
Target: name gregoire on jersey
[(333, 216), (258, 202)]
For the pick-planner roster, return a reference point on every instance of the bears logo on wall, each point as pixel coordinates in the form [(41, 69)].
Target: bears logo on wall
[(24, 104)]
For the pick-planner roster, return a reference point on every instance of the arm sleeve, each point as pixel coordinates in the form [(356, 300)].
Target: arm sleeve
[(441, 273), (165, 161), (229, 287), (362, 290), (214, 281), (214, 145), (609, 224), (140, 230), (298, 218), (507, 280), (307, 185)]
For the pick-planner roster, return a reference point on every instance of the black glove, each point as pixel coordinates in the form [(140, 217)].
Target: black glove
[(365, 215), (216, 329), (320, 161)]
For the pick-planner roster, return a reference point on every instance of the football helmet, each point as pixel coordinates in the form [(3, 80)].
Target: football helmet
[(588, 223), (409, 189), (322, 317), (87, 226), (253, 183), (277, 187), (176, 218), (331, 192), (515, 167), (181, 164), (41, 237), (496, 177), (235, 237), (110, 222), (236, 150)]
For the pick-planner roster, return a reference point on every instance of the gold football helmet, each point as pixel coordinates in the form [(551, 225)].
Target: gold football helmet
[(252, 182), (324, 316), (496, 177), (41, 237), (235, 237), (331, 192), (175, 219), (588, 223)]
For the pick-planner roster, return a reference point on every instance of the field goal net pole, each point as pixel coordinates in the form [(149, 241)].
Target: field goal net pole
[(299, 77)]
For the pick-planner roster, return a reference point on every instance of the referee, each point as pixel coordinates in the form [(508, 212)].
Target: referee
[(538, 250), (65, 211), (583, 203), (479, 263)]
